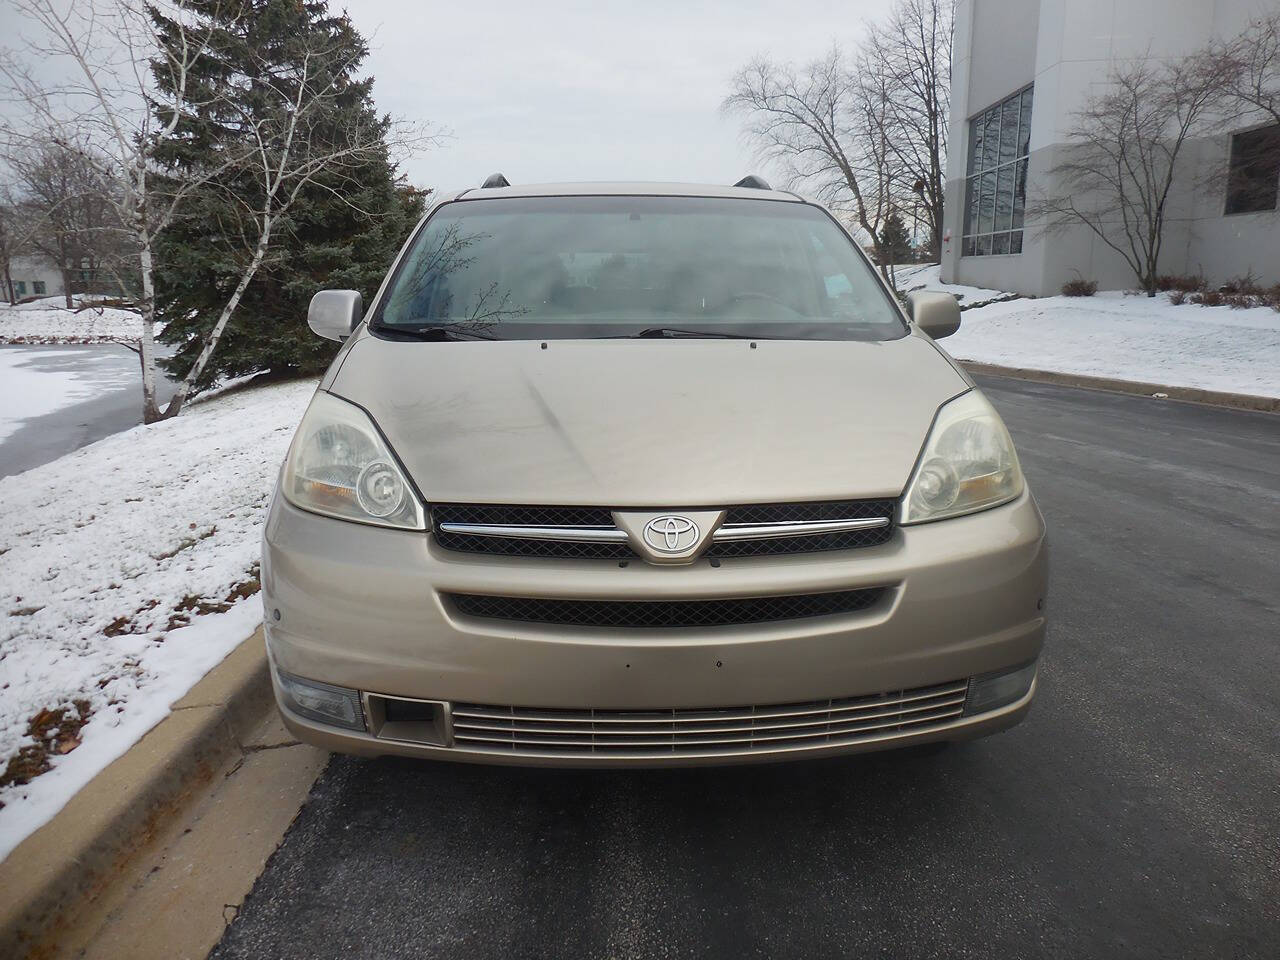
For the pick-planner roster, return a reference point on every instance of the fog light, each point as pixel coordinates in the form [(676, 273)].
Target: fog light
[(990, 691), (336, 706)]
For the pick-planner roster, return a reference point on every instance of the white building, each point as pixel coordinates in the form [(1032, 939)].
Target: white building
[(1021, 70), (34, 277)]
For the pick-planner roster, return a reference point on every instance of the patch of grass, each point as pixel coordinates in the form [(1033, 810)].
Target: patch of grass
[(193, 606), (55, 732), (186, 543), (125, 624)]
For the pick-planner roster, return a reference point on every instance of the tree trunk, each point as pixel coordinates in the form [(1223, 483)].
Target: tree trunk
[(146, 344), (197, 368), (66, 288)]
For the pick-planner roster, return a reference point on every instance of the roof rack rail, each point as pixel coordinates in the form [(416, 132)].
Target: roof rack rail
[(494, 180), (753, 182)]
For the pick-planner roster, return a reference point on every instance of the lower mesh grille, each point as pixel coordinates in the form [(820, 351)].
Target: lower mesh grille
[(658, 733), (665, 613)]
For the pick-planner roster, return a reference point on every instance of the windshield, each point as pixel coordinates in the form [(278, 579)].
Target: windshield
[(576, 267)]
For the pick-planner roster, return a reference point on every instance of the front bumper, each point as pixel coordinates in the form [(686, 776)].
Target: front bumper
[(360, 607)]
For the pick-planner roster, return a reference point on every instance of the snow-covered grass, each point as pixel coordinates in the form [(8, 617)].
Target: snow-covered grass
[(48, 320), (1118, 335), (926, 275), (106, 556)]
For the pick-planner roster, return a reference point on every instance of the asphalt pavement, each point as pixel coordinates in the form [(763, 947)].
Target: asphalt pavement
[(1135, 813)]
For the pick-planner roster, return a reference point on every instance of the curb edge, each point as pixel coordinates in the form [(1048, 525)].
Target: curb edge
[(1217, 398), (79, 851)]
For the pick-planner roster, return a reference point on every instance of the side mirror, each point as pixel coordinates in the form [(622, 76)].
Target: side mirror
[(937, 314), (333, 314)]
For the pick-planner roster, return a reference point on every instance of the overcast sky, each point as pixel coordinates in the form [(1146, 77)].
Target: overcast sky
[(561, 90), (585, 91)]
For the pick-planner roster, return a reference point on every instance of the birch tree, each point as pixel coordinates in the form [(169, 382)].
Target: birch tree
[(110, 98), (283, 109)]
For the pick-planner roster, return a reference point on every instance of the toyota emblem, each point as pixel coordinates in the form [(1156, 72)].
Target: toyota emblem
[(671, 534)]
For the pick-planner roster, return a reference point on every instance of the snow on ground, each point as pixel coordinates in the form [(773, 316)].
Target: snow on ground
[(48, 320), (925, 276), (105, 556), (1118, 335)]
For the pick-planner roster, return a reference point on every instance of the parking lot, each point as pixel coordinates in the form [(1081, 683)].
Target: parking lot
[(1135, 813)]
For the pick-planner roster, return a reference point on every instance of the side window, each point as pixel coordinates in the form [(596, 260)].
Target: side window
[(1253, 172), (20, 287), (37, 287)]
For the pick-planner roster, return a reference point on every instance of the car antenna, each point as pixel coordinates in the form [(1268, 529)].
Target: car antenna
[(494, 180), (753, 182)]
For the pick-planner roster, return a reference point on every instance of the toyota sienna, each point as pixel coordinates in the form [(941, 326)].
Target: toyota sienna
[(646, 474)]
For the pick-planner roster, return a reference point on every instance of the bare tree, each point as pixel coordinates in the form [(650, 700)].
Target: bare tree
[(65, 199), (909, 57), (1250, 65), (15, 236), (810, 122), (111, 101), (1125, 151), (877, 162)]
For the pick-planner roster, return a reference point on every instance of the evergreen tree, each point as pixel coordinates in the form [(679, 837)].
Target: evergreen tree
[(343, 229), (895, 240)]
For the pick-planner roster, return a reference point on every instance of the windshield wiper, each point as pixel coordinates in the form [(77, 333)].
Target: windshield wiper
[(433, 334), (657, 332)]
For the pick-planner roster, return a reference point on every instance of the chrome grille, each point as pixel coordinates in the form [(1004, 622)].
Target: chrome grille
[(658, 733), (568, 522), (640, 614), (589, 532)]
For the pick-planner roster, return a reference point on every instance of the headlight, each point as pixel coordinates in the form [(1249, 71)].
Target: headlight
[(340, 466), (968, 463)]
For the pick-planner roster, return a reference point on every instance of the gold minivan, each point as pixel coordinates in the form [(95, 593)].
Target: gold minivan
[(646, 474)]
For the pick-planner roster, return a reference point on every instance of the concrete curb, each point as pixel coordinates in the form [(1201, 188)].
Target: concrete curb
[(73, 856), (1217, 398)]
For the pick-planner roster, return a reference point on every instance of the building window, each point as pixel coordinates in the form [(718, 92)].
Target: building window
[(37, 287), (20, 288), (996, 185), (1253, 177)]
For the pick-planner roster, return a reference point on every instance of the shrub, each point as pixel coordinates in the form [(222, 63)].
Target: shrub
[(1209, 298), (1178, 297), (1079, 288), (1246, 284), (1184, 283), (1240, 301)]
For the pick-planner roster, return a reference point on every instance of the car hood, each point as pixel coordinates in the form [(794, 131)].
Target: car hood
[(651, 423)]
